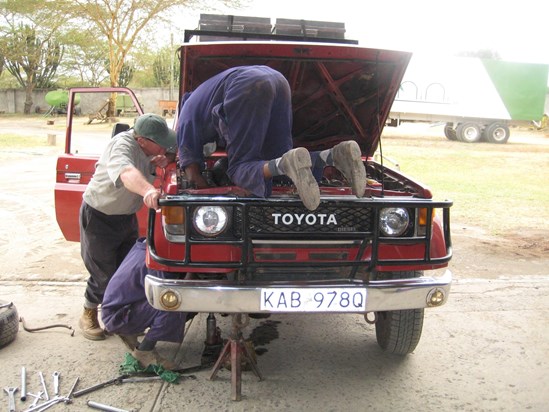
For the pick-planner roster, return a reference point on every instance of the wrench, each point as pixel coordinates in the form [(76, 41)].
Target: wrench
[(11, 392), (44, 386), (55, 376), (36, 398), (47, 404)]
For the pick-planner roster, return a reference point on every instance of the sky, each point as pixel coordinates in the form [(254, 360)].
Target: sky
[(517, 30)]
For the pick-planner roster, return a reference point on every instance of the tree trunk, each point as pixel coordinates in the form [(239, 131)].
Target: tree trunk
[(28, 98)]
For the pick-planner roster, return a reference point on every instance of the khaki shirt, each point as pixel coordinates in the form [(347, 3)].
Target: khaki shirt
[(106, 192)]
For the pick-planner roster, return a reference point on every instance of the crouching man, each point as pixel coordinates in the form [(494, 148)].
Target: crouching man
[(126, 312)]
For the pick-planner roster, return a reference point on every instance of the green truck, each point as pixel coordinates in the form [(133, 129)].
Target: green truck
[(477, 99)]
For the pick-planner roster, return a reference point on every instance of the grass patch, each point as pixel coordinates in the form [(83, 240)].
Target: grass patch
[(14, 141), (500, 188)]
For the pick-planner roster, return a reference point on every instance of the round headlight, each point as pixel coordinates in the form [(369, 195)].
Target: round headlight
[(393, 221), (210, 220)]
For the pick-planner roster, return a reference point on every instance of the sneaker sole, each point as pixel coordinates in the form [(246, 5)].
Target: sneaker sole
[(350, 163), (298, 168)]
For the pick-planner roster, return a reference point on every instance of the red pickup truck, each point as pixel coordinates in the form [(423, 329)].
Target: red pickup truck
[(369, 255)]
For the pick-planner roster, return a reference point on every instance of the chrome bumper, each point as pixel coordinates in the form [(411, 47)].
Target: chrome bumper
[(231, 297)]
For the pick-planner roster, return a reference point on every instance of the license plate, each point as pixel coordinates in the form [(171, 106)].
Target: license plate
[(313, 300)]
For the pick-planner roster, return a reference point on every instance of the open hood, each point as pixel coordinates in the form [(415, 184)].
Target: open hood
[(339, 91)]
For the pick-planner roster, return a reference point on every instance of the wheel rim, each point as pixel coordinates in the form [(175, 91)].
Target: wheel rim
[(471, 133), (499, 134)]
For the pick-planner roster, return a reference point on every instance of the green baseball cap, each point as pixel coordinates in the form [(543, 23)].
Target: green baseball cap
[(155, 128)]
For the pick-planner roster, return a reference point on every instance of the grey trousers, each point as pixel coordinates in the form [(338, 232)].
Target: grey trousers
[(105, 240)]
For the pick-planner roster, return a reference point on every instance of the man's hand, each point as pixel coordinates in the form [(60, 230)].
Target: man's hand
[(151, 199), (194, 176), (160, 161)]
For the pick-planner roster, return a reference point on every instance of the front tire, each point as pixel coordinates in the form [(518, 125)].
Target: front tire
[(399, 331)]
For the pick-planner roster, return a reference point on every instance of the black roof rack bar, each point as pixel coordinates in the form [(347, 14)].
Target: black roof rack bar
[(264, 36)]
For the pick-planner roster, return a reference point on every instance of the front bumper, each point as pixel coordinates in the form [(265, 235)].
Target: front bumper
[(232, 297)]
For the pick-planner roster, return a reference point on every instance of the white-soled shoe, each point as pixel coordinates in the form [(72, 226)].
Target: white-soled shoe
[(296, 164), (348, 160)]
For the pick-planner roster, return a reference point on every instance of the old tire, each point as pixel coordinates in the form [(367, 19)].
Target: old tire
[(450, 132), (399, 331), (9, 323), (497, 133), (468, 132)]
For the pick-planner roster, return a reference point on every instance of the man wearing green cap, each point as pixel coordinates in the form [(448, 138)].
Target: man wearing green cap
[(122, 182)]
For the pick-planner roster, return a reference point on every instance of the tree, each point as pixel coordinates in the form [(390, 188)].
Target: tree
[(166, 67), (83, 59), (30, 49), (121, 22)]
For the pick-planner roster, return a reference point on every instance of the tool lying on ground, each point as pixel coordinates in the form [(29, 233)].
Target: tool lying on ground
[(57, 325), (44, 386), (23, 384), (103, 407), (11, 401)]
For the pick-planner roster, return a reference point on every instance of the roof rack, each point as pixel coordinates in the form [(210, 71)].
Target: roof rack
[(218, 27)]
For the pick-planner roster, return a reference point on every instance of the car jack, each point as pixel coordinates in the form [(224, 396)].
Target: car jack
[(238, 350)]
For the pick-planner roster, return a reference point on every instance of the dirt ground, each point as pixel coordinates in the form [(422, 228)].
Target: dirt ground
[(29, 234), (485, 350)]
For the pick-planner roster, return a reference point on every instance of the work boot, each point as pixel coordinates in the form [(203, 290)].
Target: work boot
[(348, 160), (89, 324), (130, 341), (296, 164), (151, 357)]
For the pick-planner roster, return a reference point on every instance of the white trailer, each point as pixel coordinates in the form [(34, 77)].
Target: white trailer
[(476, 98)]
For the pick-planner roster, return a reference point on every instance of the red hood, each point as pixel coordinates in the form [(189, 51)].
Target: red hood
[(339, 92)]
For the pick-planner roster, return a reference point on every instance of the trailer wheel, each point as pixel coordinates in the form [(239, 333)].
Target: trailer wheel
[(9, 323), (398, 331), (450, 132), (468, 132), (497, 133)]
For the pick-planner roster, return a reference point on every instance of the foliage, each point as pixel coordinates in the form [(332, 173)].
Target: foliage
[(166, 67), (31, 59), (29, 47), (116, 28)]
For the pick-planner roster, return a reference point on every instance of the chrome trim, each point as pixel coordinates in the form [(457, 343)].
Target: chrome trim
[(231, 297), (289, 243)]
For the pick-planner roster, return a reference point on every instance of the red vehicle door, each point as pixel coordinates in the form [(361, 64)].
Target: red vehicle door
[(85, 139)]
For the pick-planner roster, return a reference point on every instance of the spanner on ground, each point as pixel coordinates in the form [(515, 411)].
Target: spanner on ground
[(36, 397), (55, 376), (11, 394), (46, 395)]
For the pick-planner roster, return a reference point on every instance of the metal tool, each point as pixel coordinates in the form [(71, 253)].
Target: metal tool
[(57, 325), (141, 379), (36, 397), (46, 395), (72, 387), (23, 384), (48, 404), (114, 381), (103, 407), (55, 376), (11, 401)]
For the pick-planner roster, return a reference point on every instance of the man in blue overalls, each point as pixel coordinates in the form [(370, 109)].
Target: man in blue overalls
[(248, 111), (127, 313)]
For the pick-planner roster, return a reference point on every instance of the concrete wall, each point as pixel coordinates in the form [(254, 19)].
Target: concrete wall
[(13, 100)]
